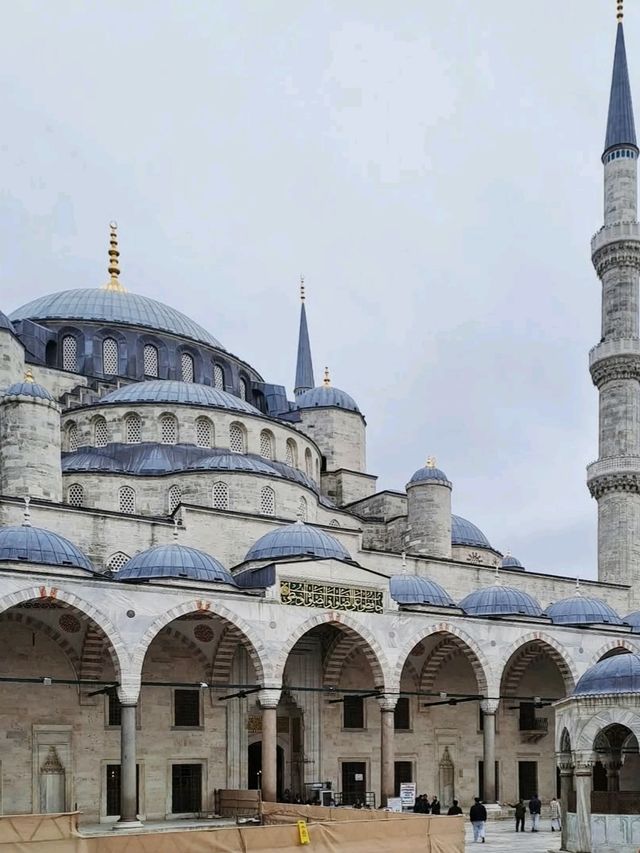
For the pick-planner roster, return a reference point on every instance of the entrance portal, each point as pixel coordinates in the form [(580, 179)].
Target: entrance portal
[(254, 767)]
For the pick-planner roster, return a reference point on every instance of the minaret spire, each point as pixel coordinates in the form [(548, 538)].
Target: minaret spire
[(620, 123), (304, 365)]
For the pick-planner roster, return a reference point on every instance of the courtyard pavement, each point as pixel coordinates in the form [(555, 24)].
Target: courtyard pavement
[(501, 836)]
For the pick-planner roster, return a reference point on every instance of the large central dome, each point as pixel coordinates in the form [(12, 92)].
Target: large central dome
[(114, 306)]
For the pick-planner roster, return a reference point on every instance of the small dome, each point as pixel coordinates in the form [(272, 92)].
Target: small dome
[(511, 562), (28, 388), (617, 674), (414, 589), (463, 532), (429, 473), (633, 619), (174, 392), (582, 611), (326, 395), (36, 545), (500, 601), (174, 561), (297, 540)]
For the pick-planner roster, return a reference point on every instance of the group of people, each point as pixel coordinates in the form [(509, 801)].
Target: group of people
[(535, 809), (424, 805)]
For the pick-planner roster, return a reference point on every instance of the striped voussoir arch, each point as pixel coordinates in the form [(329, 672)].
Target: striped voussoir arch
[(343, 647), (444, 652), (34, 624), (93, 649), (230, 638), (194, 650), (529, 648)]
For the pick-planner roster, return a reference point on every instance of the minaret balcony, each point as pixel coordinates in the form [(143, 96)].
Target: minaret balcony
[(614, 474), (616, 245), (615, 359)]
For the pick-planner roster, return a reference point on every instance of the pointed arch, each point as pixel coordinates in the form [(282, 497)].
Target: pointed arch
[(58, 638), (611, 647), (523, 651), (193, 648), (224, 654), (586, 735)]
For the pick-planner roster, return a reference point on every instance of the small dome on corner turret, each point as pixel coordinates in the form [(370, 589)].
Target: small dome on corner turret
[(326, 395), (429, 473), (28, 388)]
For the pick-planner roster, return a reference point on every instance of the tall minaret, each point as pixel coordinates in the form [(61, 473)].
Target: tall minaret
[(614, 480), (304, 365)]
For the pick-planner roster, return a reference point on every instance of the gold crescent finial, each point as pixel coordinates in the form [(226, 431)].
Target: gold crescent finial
[(28, 375), (114, 265), (431, 462), (620, 10), (302, 294), (327, 379)]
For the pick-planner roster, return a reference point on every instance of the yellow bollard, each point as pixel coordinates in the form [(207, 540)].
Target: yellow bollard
[(303, 832)]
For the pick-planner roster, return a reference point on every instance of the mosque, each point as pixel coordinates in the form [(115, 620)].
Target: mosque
[(201, 587)]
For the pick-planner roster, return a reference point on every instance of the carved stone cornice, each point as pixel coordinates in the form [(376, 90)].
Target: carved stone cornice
[(618, 253), (620, 366), (614, 481)]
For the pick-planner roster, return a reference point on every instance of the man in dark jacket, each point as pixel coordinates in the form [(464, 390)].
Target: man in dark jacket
[(521, 813), (454, 809), (478, 818), (435, 806), (535, 807)]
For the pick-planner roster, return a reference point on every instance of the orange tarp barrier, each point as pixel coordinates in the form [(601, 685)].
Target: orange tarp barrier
[(350, 832)]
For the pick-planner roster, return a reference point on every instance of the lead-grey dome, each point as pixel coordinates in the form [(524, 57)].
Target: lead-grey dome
[(297, 540), (174, 561), (511, 562), (117, 307), (500, 600), (326, 395), (463, 532), (580, 610), (429, 473), (36, 545), (178, 393), (27, 388), (414, 589), (617, 674)]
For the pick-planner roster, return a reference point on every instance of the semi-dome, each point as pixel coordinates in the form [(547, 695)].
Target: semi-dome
[(580, 610), (297, 540), (414, 589), (326, 395), (429, 473), (511, 562), (114, 306), (500, 600), (463, 532), (617, 674), (27, 388), (174, 561), (36, 545), (633, 619), (172, 391)]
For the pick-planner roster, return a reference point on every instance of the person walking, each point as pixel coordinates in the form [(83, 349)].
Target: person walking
[(554, 805), (454, 809), (521, 813), (535, 807), (435, 806), (478, 818)]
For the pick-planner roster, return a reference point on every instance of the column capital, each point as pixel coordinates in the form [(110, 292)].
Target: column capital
[(583, 763), (269, 697), (128, 694), (489, 706), (387, 702), (564, 762)]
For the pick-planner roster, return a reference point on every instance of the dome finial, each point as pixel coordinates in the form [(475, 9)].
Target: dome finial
[(578, 591), (619, 10), (175, 529), (302, 294), (431, 462), (114, 283), (27, 515), (28, 375), (327, 379), (497, 576), (404, 562)]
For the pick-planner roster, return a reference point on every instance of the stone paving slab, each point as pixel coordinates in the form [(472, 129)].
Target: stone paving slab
[(501, 836)]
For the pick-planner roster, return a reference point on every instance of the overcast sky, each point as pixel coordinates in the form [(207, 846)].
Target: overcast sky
[(432, 168)]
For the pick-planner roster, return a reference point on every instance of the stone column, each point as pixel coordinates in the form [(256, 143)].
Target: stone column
[(128, 814), (269, 700), (489, 709), (583, 771), (387, 747), (565, 765)]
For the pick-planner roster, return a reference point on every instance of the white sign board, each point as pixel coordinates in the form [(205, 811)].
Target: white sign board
[(408, 794), (394, 804)]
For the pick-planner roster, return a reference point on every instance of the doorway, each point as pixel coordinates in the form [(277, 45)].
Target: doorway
[(354, 782), (527, 779), (254, 767)]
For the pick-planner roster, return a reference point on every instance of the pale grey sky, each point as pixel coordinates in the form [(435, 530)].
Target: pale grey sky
[(432, 168)]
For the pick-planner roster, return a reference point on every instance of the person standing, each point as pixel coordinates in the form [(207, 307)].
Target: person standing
[(535, 807), (554, 805), (454, 809), (521, 813), (478, 818), (435, 806)]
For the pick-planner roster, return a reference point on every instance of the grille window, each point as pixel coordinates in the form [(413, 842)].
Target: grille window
[(302, 509), (204, 432), (308, 462), (186, 708), (100, 432), (133, 429), (401, 715), (353, 712), (267, 501), (218, 377), (243, 390), (186, 363), (150, 360), (75, 495), (266, 444), (69, 353), (72, 438), (110, 356), (220, 496), (168, 429), (236, 439), (127, 499), (113, 789), (115, 563), (186, 788), (292, 453), (175, 496)]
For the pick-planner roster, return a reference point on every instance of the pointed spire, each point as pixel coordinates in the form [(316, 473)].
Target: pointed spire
[(114, 283), (304, 365), (621, 128)]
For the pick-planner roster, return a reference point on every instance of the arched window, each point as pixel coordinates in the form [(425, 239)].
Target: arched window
[(69, 353), (302, 509), (266, 444), (308, 462), (127, 500), (73, 440), (100, 433), (186, 364), (204, 432), (267, 501), (243, 389), (237, 442), (110, 356), (133, 429), (334, 523), (75, 495), (174, 498), (117, 561), (218, 377), (150, 358), (168, 429), (220, 496), (292, 453)]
